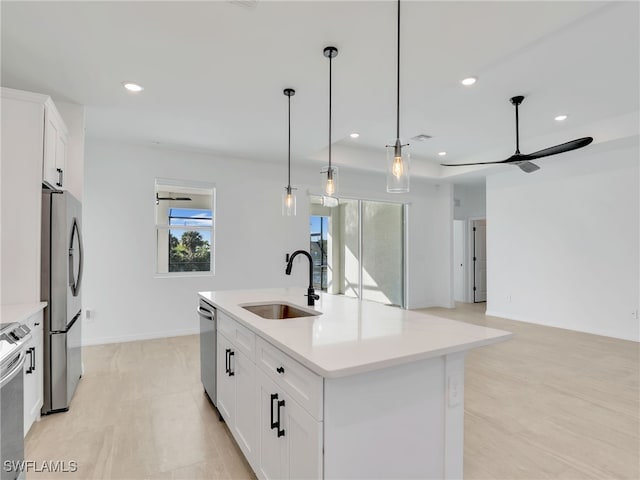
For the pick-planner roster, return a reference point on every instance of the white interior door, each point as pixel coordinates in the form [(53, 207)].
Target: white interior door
[(480, 260), (458, 261)]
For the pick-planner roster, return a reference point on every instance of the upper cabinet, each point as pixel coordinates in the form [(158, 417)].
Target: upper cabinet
[(55, 147), (31, 120)]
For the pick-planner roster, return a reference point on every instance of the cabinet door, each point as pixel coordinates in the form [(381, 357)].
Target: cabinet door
[(38, 343), (246, 408), (51, 134), (303, 435), (297, 452), (272, 450), (226, 389), (61, 158), (30, 386)]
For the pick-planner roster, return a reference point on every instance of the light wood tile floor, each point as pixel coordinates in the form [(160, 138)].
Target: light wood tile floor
[(549, 403)]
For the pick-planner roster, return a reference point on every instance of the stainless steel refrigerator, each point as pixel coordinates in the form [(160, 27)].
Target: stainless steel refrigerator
[(60, 288)]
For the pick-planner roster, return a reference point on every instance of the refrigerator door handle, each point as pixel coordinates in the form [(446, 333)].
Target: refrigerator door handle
[(74, 282)]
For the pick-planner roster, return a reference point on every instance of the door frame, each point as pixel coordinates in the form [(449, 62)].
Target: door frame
[(470, 271)]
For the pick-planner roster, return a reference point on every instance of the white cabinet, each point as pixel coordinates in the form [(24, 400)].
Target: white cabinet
[(290, 438), (236, 385), (35, 130), (55, 147), (33, 380), (272, 404)]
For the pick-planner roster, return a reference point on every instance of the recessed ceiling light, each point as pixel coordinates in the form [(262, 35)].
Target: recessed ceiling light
[(442, 154), (561, 118), (469, 81), (133, 87), (354, 135)]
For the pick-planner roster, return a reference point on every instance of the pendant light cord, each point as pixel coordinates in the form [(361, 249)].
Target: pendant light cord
[(289, 159), (330, 62), (398, 80)]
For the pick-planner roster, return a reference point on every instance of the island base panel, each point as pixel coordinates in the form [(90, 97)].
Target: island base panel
[(398, 422)]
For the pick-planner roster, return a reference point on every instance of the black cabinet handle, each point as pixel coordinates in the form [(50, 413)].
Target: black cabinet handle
[(226, 360), (30, 353), (231, 372), (33, 359), (274, 396), (59, 182), (280, 370), (280, 432), (276, 424)]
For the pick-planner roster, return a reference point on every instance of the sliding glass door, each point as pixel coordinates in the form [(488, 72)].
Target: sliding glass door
[(360, 250)]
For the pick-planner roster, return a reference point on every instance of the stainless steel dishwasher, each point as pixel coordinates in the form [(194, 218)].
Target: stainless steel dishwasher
[(207, 314)]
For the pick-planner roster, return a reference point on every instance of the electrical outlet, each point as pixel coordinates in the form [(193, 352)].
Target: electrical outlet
[(455, 389)]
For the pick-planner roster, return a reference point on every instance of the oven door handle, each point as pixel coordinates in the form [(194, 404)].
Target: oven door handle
[(18, 363)]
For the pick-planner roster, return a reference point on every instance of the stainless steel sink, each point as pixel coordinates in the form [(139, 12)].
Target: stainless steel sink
[(278, 311)]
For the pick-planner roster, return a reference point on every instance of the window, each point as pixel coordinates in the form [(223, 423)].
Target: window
[(184, 227)]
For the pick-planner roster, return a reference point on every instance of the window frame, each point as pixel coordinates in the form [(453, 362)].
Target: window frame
[(184, 187)]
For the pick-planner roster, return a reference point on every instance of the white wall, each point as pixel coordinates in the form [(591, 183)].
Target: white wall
[(472, 201), (563, 243), (128, 302)]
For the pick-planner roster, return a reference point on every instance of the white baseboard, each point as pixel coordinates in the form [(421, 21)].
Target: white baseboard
[(518, 318), (139, 336)]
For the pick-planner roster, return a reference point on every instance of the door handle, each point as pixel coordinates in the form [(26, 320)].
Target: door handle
[(280, 431), (30, 351), (226, 360), (33, 359), (231, 372)]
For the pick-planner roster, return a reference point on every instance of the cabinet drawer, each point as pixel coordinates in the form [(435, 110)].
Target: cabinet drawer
[(297, 380), (242, 338), (34, 322)]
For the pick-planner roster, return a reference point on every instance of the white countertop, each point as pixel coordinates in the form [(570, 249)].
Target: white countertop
[(19, 312), (352, 336)]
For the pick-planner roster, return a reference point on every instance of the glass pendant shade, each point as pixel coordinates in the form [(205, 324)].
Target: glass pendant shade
[(398, 167), (329, 177), (288, 202)]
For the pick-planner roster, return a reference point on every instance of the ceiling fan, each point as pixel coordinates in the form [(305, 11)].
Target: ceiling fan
[(523, 160), (158, 198)]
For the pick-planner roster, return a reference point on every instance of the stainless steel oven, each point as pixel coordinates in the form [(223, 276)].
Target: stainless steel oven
[(12, 414), (207, 314)]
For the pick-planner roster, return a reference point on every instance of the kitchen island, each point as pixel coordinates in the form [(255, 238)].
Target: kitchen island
[(353, 390)]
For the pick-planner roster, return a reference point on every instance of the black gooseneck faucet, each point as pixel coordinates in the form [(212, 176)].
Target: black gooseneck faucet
[(311, 294)]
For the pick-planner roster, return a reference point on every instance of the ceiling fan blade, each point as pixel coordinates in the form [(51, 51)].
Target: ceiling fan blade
[(466, 164), (563, 147), (528, 167), (513, 158)]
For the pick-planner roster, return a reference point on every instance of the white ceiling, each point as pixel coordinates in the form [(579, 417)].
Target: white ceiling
[(213, 74)]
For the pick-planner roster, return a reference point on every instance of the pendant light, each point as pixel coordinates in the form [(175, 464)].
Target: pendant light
[(397, 153), (330, 174), (288, 198)]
